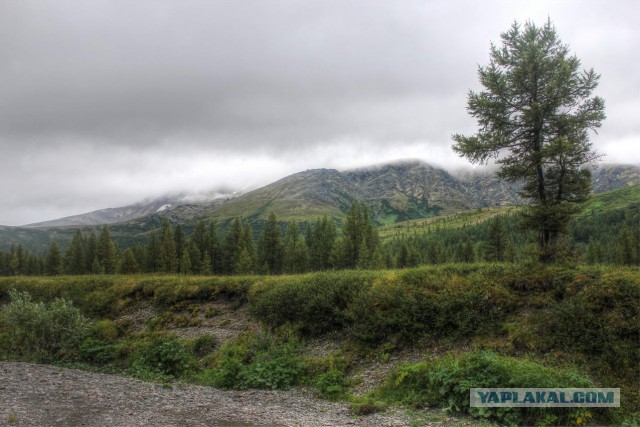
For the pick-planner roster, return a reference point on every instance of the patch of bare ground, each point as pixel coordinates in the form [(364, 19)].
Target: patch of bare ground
[(41, 395), (220, 320)]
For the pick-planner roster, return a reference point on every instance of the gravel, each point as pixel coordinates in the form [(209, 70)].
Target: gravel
[(42, 395)]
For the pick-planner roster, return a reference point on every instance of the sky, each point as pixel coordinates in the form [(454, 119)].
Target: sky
[(104, 103)]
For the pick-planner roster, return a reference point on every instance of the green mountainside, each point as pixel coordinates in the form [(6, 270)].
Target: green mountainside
[(400, 196)]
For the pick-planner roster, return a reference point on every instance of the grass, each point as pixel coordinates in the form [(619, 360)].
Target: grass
[(612, 200)]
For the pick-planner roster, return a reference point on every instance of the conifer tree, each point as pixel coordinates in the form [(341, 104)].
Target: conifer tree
[(205, 266), (90, 252), (322, 243), (358, 228), (215, 249), (107, 252), (496, 241), (74, 256), (178, 237), (54, 260), (296, 253), (168, 259), (197, 259), (534, 115), (185, 262), (270, 247), (129, 263), (152, 255), (244, 263)]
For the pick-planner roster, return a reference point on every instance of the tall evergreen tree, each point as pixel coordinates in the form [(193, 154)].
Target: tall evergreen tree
[(152, 254), (185, 262), (215, 249), (107, 252), (496, 241), (232, 246), (168, 256), (74, 256), (270, 247), (54, 260), (129, 264), (296, 253), (534, 116), (359, 234), (322, 244), (90, 252), (178, 237), (238, 240)]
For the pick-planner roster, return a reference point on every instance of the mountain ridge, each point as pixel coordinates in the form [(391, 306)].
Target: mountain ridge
[(393, 192)]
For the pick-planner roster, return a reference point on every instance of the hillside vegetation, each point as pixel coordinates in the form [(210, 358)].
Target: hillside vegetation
[(511, 319)]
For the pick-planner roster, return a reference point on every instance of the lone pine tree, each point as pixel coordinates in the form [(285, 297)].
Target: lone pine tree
[(534, 115)]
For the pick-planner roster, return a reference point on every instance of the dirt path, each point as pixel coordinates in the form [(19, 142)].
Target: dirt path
[(41, 395)]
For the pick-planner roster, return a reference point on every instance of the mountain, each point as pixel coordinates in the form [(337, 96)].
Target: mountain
[(300, 196), (110, 215), (394, 192), (608, 177)]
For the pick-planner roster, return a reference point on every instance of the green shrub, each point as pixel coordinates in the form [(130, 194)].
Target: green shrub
[(447, 381), (97, 352), (42, 332), (415, 306), (162, 357), (332, 385), (318, 302), (257, 360), (228, 369)]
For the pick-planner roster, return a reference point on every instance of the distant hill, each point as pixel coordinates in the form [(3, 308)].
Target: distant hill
[(394, 192), (118, 215)]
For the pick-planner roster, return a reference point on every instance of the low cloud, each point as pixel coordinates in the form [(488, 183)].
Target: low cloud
[(104, 103)]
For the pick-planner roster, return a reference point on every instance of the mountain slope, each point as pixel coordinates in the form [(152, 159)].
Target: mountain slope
[(110, 215), (301, 196), (393, 192)]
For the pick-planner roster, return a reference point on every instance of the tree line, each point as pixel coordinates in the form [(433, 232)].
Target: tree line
[(606, 237), (280, 249)]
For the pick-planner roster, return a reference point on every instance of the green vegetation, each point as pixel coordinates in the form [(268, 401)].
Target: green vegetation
[(521, 327), (606, 231), (41, 332), (446, 383), (256, 360)]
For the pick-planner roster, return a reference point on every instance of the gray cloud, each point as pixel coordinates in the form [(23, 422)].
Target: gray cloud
[(106, 102)]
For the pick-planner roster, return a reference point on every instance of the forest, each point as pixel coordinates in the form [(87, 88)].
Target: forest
[(607, 231)]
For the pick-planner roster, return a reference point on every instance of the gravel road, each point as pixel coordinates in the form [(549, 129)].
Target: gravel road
[(42, 395)]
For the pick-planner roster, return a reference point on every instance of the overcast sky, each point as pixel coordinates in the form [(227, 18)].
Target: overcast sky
[(104, 103)]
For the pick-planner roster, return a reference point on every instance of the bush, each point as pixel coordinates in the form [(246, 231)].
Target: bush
[(97, 352), (420, 305), (41, 332), (257, 360), (162, 357), (319, 302), (447, 381), (332, 385)]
